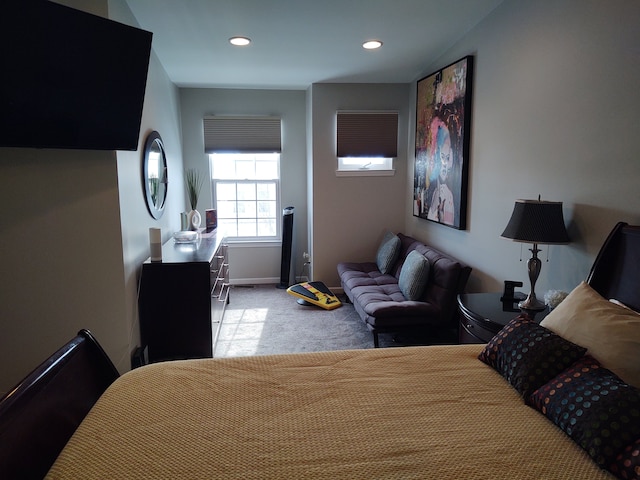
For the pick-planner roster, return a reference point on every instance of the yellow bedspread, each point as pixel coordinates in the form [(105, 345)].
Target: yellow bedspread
[(393, 413)]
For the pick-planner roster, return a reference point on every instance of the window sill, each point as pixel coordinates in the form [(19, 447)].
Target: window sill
[(365, 173), (252, 243)]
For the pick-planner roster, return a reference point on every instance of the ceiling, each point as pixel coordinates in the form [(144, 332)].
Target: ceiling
[(296, 43)]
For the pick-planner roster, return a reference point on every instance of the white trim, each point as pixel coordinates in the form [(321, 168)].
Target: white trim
[(272, 281), (365, 173), (217, 178), (238, 242), (255, 281), (366, 112)]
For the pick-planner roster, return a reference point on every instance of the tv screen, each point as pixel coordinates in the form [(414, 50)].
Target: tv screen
[(70, 79)]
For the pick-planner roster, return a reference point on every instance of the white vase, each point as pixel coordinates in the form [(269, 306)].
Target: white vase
[(194, 220)]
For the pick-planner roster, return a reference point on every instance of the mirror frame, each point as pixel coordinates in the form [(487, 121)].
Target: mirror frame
[(156, 208)]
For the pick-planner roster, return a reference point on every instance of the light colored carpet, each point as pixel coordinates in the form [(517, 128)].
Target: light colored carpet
[(264, 320)]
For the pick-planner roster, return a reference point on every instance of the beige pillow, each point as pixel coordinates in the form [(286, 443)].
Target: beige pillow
[(611, 333)]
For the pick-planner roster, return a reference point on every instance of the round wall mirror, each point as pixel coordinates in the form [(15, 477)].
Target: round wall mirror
[(154, 174)]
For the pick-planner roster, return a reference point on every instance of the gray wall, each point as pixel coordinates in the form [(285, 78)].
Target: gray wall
[(350, 214), (74, 232), (554, 113), (60, 253), (554, 98), (161, 112), (253, 262)]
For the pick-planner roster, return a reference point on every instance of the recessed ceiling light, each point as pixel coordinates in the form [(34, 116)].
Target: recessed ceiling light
[(372, 44), (239, 41)]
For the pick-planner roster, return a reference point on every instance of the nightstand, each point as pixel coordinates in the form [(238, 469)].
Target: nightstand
[(482, 315)]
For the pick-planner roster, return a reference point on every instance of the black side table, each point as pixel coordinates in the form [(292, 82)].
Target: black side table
[(482, 315)]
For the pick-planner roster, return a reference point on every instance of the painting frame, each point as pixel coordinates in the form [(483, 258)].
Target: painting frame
[(443, 122)]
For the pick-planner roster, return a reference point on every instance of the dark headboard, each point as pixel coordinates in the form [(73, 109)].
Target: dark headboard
[(615, 271), (39, 415)]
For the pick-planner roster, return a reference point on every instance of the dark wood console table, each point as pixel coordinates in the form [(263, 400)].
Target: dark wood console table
[(175, 299), (482, 315)]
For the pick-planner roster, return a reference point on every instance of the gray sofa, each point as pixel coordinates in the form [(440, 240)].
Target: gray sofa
[(389, 299)]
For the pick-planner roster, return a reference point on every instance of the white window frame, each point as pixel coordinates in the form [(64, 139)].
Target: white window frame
[(238, 180), (365, 166)]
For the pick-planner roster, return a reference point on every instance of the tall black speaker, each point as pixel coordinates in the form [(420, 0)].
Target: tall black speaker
[(287, 247)]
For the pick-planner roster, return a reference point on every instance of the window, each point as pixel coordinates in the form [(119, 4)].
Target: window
[(366, 142), (365, 164), (244, 152), (246, 194)]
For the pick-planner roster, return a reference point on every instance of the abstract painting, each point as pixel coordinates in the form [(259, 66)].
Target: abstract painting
[(443, 118)]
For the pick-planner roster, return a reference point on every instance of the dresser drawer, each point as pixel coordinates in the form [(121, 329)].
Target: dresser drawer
[(482, 315), (471, 331)]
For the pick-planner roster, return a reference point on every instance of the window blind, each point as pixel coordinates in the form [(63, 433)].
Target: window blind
[(226, 134), (367, 134)]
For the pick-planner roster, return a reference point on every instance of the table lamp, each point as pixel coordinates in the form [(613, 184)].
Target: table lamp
[(536, 222)]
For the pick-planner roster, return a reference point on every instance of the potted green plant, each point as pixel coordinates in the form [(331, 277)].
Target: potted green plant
[(193, 180)]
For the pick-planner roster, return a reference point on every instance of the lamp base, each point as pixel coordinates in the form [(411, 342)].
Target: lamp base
[(533, 266), (531, 303)]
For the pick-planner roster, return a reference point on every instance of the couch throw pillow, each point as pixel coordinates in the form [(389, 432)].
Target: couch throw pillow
[(414, 276), (388, 252)]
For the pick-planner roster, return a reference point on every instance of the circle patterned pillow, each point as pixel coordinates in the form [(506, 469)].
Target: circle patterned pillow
[(627, 464), (592, 405), (528, 355)]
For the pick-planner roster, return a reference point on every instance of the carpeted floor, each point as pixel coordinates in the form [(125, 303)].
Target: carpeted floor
[(263, 320)]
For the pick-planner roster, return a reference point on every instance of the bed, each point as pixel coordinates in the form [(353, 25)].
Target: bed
[(463, 411)]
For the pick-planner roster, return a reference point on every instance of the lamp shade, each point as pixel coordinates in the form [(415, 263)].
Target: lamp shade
[(537, 221)]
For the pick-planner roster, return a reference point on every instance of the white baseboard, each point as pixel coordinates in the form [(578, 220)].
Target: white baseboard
[(275, 281), (254, 281), (263, 281)]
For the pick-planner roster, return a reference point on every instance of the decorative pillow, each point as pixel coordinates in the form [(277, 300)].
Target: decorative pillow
[(627, 463), (618, 302), (528, 355), (611, 333), (414, 276), (388, 252), (592, 405)]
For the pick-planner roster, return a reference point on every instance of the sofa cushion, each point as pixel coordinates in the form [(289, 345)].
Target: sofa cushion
[(388, 252), (380, 303), (354, 275), (378, 299), (414, 276)]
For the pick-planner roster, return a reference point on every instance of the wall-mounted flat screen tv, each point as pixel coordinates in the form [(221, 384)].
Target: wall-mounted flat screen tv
[(70, 79)]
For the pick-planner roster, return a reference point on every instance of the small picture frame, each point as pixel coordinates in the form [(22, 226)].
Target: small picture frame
[(211, 219)]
